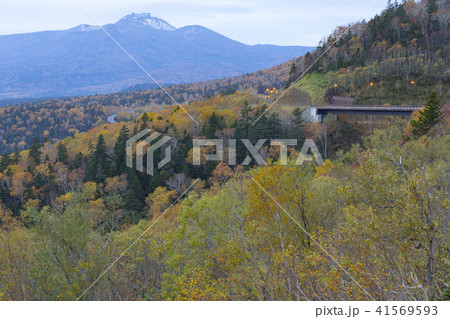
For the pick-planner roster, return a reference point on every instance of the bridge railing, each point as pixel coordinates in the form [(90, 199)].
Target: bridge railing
[(368, 107)]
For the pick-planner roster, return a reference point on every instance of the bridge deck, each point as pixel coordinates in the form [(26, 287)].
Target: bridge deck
[(393, 108), (318, 112)]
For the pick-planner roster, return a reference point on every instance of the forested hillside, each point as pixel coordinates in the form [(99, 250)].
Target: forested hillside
[(59, 118), (396, 58), (70, 209), (369, 224)]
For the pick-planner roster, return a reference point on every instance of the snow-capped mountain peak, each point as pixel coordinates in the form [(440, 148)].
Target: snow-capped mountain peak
[(146, 19), (86, 27)]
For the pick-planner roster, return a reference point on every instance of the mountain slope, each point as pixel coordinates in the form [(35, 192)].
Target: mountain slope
[(398, 57), (84, 60)]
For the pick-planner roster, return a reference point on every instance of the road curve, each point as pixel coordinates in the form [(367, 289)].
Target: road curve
[(112, 119)]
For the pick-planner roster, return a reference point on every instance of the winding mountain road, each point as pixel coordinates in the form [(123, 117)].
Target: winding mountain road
[(112, 119)]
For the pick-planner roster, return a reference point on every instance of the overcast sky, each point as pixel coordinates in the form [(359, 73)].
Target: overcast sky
[(282, 22)]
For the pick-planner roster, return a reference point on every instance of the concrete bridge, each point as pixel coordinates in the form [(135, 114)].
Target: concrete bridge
[(317, 113)]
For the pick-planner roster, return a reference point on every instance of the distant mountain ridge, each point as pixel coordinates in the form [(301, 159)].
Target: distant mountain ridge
[(84, 60)]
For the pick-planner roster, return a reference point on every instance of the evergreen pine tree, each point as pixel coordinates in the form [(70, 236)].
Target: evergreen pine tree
[(101, 155), (5, 162), (274, 127), (241, 150), (245, 112), (62, 155), (155, 181), (35, 152), (98, 166), (144, 121), (260, 129), (215, 122), (90, 173), (432, 6), (135, 131), (120, 150), (134, 196), (293, 69), (297, 128), (428, 116), (390, 5), (77, 161), (16, 156), (179, 155), (131, 202)]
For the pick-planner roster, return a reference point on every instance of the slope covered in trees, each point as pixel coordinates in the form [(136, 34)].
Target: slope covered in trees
[(59, 118), (371, 223), (397, 57), (70, 209)]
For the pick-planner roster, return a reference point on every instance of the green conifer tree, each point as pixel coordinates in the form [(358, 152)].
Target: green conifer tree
[(98, 166), (245, 112), (16, 156), (77, 161), (35, 151), (297, 128), (215, 122), (120, 150), (428, 116), (144, 121), (5, 162), (62, 155), (432, 6), (134, 196)]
